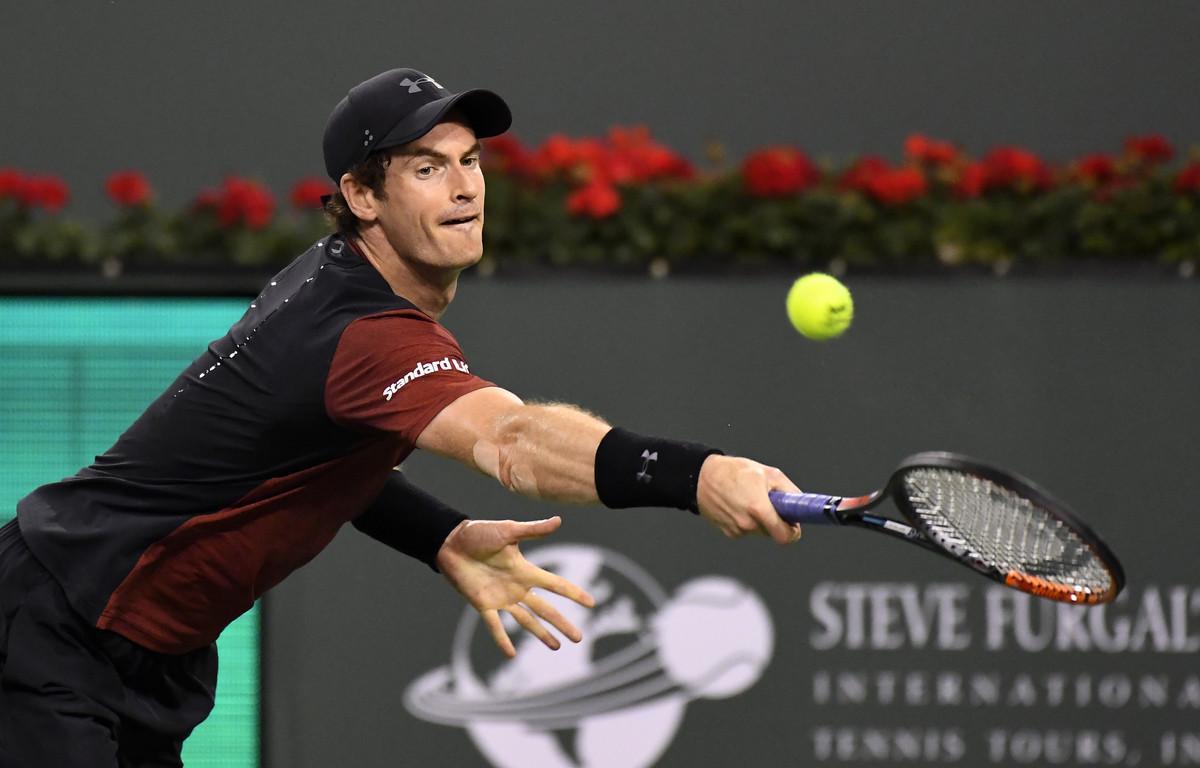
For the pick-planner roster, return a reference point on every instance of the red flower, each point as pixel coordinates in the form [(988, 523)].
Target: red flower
[(628, 156), (643, 159), (47, 192), (1188, 179), (245, 202), (597, 199), (860, 175), (654, 161), (778, 172), (307, 194), (12, 182), (971, 183), (589, 153), (208, 199), (1149, 149), (128, 188), (898, 186), (1118, 184), (925, 150), (623, 138), (1096, 169), (510, 156), (561, 155), (608, 166), (557, 153), (1015, 168)]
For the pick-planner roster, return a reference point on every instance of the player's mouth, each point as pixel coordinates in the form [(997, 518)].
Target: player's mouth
[(460, 222)]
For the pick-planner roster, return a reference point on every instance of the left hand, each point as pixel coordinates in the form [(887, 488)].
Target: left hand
[(481, 560)]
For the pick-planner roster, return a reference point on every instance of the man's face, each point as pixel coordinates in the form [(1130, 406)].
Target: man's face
[(433, 211)]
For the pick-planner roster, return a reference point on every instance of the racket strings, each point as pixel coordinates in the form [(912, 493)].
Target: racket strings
[(997, 528)]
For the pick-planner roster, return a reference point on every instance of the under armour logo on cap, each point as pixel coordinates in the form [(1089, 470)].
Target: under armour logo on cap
[(415, 85), (399, 106)]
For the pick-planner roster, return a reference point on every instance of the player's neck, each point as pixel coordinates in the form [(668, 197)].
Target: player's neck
[(430, 289)]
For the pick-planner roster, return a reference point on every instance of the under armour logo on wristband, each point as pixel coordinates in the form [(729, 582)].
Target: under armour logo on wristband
[(644, 476)]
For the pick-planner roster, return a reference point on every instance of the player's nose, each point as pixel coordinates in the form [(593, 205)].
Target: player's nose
[(466, 186)]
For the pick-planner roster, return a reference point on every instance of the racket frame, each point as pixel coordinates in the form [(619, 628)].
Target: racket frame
[(856, 512)]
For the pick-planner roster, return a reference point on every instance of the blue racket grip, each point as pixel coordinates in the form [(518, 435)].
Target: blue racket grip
[(815, 508)]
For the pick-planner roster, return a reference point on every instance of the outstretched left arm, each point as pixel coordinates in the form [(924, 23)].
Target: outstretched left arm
[(480, 559)]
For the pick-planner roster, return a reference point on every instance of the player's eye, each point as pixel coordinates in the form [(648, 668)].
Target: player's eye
[(471, 161), (425, 170)]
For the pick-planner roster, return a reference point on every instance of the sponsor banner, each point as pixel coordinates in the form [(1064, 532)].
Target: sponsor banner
[(975, 674), (894, 673)]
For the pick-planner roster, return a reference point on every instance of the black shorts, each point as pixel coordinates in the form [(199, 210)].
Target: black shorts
[(73, 696)]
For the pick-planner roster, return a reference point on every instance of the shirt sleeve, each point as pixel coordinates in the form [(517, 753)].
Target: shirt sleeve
[(394, 372), (409, 520)]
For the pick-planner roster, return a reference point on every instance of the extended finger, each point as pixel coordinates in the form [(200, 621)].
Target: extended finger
[(533, 626), (535, 529), (492, 619), (552, 582), (544, 609)]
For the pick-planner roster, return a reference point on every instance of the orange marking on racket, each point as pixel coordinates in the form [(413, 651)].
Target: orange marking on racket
[(1036, 585)]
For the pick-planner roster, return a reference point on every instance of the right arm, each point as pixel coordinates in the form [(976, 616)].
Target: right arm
[(545, 451), (549, 451)]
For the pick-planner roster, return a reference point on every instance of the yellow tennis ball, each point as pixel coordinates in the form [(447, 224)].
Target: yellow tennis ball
[(819, 306)]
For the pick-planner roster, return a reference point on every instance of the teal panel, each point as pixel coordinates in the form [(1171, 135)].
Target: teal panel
[(74, 373)]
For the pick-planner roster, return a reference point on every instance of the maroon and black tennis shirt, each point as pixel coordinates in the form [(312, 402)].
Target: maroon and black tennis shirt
[(246, 467)]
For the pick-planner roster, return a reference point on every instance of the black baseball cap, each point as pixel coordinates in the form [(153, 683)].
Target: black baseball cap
[(399, 106)]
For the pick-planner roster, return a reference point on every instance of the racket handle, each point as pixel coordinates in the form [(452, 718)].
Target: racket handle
[(812, 508)]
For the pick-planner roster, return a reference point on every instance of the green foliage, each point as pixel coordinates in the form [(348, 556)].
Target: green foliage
[(705, 224)]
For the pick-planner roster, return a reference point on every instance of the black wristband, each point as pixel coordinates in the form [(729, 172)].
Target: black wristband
[(637, 471), (409, 520)]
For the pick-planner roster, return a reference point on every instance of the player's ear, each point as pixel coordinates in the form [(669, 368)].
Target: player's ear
[(359, 197)]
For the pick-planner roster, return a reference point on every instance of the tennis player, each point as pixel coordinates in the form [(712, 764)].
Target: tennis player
[(115, 583)]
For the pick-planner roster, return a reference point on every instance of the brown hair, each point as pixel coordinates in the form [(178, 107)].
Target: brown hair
[(370, 173)]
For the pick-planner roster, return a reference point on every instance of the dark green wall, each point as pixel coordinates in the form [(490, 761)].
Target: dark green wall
[(190, 92), (1088, 385)]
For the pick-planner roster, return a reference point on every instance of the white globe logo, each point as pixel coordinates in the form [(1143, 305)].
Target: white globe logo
[(616, 699)]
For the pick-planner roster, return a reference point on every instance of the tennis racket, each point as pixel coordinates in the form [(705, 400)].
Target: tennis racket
[(992, 521)]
